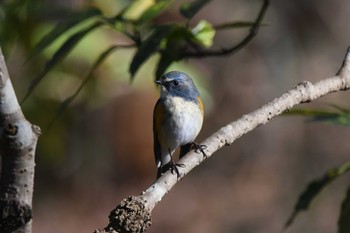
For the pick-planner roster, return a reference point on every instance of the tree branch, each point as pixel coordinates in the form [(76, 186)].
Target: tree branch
[(226, 51), (134, 213), (18, 140)]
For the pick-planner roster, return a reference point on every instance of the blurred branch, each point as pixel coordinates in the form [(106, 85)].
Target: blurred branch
[(134, 213), (225, 51), (103, 56), (18, 140)]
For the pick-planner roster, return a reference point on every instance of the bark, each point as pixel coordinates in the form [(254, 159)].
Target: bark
[(133, 214), (18, 139)]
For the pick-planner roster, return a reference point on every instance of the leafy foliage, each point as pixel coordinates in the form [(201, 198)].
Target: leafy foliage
[(344, 223), (173, 41), (15, 15), (59, 55), (203, 33), (64, 105), (314, 188), (150, 46), (62, 27), (189, 10), (154, 10), (340, 117)]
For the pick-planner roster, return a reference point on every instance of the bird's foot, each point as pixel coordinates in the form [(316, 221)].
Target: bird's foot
[(199, 148), (174, 168)]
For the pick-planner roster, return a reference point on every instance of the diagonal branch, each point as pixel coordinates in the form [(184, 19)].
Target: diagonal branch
[(134, 213)]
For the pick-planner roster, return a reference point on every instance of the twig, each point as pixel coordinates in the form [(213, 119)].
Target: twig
[(226, 51)]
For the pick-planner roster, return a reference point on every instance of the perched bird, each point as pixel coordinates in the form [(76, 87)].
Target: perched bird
[(177, 120)]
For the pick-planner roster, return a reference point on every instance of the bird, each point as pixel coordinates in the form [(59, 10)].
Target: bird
[(177, 120)]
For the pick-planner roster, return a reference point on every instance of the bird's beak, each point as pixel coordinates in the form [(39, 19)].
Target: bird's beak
[(158, 82)]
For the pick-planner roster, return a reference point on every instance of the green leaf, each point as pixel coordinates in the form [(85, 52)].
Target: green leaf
[(203, 33), (59, 55), (61, 28), (237, 24), (136, 9), (188, 10), (148, 47), (164, 62), (171, 47), (154, 10), (65, 104), (168, 56), (339, 118), (314, 188), (344, 219), (310, 112), (339, 108)]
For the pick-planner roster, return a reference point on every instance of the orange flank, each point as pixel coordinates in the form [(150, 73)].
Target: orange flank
[(201, 105)]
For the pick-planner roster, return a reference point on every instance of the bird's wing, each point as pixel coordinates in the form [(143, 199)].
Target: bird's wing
[(157, 122)]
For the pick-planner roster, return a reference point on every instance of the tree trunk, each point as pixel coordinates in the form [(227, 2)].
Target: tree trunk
[(18, 139)]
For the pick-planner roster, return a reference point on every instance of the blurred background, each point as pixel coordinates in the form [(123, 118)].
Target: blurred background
[(100, 150)]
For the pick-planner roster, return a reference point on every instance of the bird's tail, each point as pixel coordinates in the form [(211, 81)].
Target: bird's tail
[(163, 169), (185, 149)]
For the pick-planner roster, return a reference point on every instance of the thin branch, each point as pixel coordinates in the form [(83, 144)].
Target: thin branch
[(18, 140), (226, 51), (65, 104), (134, 213)]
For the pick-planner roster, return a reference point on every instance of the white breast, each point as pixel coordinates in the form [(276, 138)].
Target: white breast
[(184, 123)]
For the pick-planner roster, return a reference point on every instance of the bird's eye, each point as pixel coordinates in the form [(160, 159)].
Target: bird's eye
[(176, 83)]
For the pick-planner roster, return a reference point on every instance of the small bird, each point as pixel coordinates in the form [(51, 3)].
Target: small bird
[(177, 119)]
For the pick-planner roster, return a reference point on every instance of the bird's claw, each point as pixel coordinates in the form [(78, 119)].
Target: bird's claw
[(174, 169), (199, 148)]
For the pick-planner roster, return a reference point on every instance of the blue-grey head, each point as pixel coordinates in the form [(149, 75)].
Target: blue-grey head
[(176, 83)]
